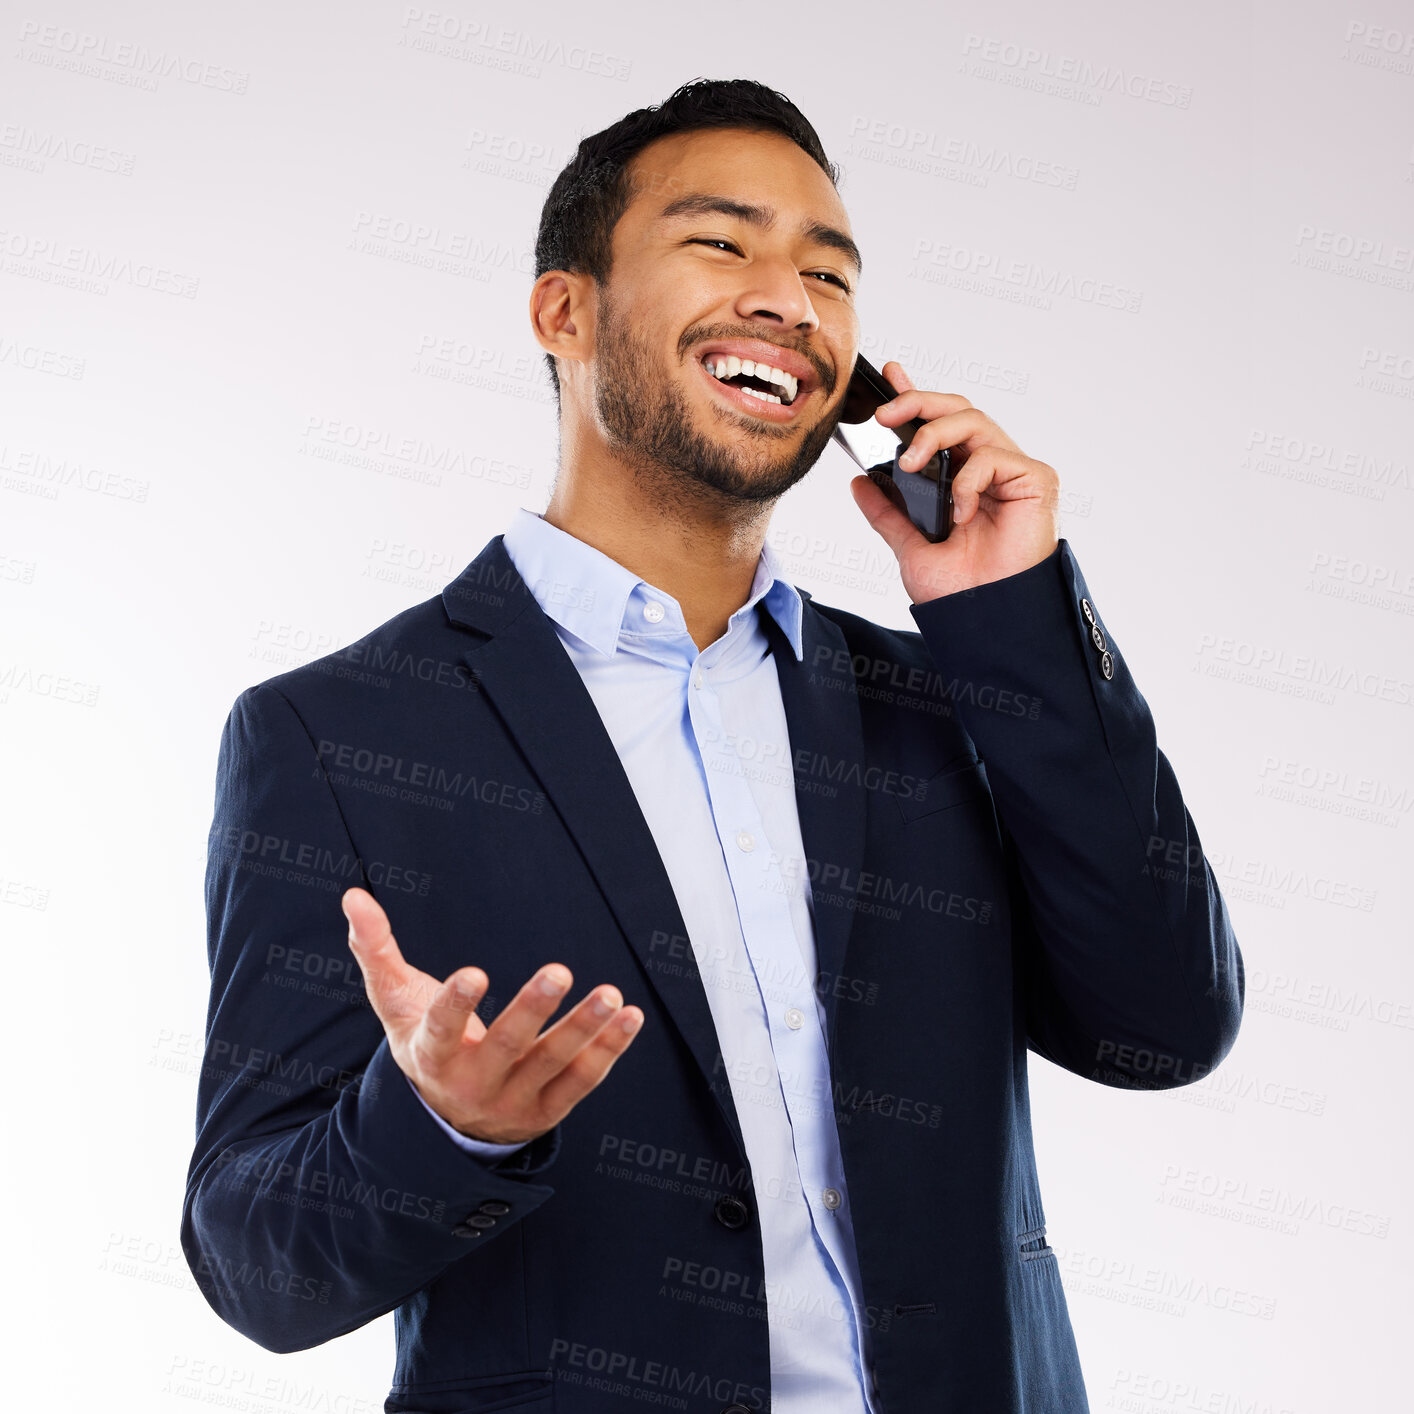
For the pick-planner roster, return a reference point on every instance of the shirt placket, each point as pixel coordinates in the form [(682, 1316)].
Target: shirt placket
[(786, 997)]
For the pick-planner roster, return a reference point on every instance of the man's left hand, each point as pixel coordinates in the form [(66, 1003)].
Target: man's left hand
[(1004, 504)]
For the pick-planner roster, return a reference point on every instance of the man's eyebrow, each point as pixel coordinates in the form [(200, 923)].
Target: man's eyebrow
[(705, 204)]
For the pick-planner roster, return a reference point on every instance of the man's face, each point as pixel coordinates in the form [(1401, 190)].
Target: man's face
[(698, 285)]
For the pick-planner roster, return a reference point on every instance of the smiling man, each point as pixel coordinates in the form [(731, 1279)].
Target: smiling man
[(704, 382), (838, 879)]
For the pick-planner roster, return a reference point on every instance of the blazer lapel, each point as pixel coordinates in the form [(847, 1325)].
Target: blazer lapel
[(827, 754), (523, 670)]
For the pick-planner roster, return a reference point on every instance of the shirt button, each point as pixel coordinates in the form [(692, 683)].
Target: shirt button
[(744, 841), (832, 1198), (653, 611), (697, 679), (795, 1018)]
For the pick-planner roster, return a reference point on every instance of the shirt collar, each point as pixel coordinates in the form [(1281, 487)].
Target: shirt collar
[(587, 592)]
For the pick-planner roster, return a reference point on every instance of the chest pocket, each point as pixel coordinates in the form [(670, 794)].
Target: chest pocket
[(956, 782)]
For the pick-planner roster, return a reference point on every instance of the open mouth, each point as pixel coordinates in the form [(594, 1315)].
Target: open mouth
[(758, 386)]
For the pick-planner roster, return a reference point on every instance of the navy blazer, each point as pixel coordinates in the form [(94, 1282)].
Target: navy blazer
[(1000, 860)]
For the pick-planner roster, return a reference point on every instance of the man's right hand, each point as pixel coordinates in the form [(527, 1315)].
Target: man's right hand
[(506, 1083)]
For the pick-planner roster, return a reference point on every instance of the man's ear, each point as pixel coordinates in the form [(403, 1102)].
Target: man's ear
[(562, 310)]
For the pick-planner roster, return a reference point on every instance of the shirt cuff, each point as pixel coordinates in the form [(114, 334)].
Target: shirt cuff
[(483, 1148)]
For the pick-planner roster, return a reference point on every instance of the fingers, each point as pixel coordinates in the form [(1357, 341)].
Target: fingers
[(601, 1010), (917, 403), (435, 1043), (966, 430), (498, 1085), (521, 1060), (451, 1014), (898, 378), (1004, 476), (593, 1062), (514, 1031), (512, 1065)]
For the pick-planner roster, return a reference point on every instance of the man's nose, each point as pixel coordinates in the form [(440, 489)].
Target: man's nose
[(775, 292)]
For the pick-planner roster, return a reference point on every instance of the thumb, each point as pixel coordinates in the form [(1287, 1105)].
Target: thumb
[(885, 514), (387, 978)]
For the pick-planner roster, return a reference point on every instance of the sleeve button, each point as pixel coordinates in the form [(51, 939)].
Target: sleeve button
[(1107, 666)]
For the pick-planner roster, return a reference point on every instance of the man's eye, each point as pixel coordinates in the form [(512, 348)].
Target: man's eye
[(728, 245)]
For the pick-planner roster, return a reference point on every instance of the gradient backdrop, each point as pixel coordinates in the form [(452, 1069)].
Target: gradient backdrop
[(267, 378)]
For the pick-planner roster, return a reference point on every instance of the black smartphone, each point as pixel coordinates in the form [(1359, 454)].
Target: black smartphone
[(925, 495)]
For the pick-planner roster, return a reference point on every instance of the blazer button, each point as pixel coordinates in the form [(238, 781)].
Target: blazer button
[(495, 1207), (1097, 637), (732, 1213), (736, 1409), (1088, 611), (462, 1230), (1107, 666)]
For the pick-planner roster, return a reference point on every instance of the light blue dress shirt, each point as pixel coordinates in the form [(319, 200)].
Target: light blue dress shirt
[(703, 740)]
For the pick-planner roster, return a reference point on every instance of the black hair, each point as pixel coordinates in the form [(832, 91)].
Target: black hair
[(593, 191)]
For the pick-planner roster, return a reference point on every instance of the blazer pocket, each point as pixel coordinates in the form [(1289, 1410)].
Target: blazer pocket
[(1032, 1246), (522, 1390), (952, 785)]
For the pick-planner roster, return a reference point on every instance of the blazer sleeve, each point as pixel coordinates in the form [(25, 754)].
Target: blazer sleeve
[(1130, 970), (321, 1192)]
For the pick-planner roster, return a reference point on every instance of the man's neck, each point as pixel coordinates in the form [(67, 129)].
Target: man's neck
[(706, 565)]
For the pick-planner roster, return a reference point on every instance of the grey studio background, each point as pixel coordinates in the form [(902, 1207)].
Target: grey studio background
[(267, 379)]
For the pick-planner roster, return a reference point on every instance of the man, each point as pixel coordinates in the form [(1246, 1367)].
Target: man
[(830, 880)]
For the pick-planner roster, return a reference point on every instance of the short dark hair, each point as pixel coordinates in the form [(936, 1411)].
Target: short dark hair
[(591, 194)]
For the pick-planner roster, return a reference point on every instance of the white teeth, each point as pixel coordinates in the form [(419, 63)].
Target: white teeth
[(725, 366)]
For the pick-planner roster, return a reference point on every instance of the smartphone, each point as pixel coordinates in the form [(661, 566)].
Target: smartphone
[(925, 495)]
